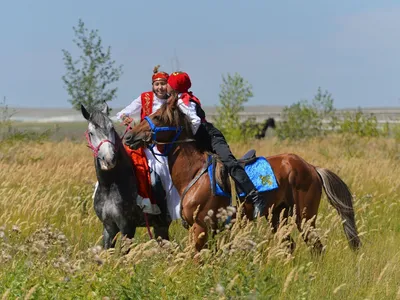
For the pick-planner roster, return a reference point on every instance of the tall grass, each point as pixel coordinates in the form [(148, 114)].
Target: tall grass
[(49, 234)]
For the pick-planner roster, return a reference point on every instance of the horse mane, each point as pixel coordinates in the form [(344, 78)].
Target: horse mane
[(170, 114), (99, 119)]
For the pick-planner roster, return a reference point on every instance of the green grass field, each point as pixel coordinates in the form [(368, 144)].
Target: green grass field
[(49, 234)]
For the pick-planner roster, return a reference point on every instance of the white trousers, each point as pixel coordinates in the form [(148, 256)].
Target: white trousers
[(160, 166)]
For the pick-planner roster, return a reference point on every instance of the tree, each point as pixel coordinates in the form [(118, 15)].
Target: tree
[(235, 91), (87, 79)]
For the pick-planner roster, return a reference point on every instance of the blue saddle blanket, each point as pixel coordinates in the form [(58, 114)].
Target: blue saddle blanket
[(259, 172)]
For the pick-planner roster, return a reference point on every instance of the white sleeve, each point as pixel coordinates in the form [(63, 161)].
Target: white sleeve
[(190, 112), (132, 110)]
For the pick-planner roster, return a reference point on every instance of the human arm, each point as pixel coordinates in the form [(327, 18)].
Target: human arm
[(132, 111), (190, 111)]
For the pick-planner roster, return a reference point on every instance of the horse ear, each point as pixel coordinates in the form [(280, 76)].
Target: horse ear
[(105, 109), (85, 113)]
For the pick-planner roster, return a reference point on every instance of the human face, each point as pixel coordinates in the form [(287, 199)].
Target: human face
[(169, 89), (160, 88)]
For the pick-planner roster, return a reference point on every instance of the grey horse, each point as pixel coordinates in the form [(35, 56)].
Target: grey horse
[(116, 193)]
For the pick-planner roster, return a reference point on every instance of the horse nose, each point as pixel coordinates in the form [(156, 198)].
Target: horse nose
[(108, 162), (129, 137)]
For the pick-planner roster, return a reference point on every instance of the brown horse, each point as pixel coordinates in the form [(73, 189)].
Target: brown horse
[(300, 184)]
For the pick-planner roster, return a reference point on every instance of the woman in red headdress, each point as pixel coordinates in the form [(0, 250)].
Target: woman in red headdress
[(147, 102), (144, 160), (178, 87)]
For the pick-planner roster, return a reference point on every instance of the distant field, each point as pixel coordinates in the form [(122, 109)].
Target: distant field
[(49, 233), (261, 112), (59, 131)]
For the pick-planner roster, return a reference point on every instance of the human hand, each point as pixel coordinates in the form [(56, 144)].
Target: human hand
[(126, 120)]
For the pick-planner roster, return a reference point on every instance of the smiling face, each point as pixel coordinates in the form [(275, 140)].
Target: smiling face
[(101, 137), (160, 88)]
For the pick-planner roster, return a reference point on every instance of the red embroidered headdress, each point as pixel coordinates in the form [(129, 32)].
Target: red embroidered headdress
[(159, 75)]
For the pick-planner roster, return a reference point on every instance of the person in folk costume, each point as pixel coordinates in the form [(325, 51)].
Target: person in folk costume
[(142, 106), (178, 87)]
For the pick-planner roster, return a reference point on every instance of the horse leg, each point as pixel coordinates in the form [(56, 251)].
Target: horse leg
[(276, 220), (161, 223), (200, 236), (307, 203), (109, 233), (161, 231), (128, 230)]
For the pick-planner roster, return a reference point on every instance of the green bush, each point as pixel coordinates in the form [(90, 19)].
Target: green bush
[(303, 119), (361, 124), (10, 134)]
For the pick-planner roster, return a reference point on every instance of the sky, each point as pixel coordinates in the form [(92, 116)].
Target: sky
[(284, 49)]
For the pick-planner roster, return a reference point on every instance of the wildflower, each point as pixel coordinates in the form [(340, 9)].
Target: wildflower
[(220, 289), (16, 229)]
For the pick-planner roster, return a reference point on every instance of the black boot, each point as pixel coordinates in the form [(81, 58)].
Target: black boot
[(258, 203)]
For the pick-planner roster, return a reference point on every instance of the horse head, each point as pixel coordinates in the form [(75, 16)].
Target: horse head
[(166, 126), (101, 137), (270, 122)]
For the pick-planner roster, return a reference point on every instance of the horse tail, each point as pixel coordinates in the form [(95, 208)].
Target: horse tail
[(339, 196)]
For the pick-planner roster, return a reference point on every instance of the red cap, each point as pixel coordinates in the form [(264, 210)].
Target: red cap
[(180, 82), (159, 75)]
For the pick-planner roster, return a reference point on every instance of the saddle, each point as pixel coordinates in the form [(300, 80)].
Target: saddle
[(248, 158)]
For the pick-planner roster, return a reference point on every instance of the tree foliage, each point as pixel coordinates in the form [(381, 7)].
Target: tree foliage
[(89, 79), (235, 91)]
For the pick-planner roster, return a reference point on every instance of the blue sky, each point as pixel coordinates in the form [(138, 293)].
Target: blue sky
[(285, 49)]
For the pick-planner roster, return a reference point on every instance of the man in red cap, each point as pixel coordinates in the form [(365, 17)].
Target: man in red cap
[(178, 87)]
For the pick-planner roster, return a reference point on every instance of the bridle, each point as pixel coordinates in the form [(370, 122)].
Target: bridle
[(97, 149), (154, 142)]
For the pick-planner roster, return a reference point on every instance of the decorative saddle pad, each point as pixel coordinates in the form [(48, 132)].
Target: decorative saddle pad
[(259, 171)]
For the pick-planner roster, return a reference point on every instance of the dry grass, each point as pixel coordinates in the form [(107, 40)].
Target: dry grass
[(49, 234)]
